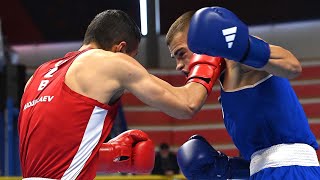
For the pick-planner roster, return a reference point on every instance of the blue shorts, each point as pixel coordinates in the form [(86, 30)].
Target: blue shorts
[(288, 173)]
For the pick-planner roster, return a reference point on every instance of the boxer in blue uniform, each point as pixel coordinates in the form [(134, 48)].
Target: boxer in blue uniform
[(261, 111)]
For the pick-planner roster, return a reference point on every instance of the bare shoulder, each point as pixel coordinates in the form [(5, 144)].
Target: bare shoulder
[(101, 74), (106, 65), (106, 59), (238, 75)]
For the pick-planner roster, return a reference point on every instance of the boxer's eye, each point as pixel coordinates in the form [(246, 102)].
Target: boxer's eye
[(181, 55)]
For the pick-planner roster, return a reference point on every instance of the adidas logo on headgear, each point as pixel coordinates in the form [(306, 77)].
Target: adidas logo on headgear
[(230, 35)]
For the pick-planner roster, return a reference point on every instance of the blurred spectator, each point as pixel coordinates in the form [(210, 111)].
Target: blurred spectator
[(166, 161)]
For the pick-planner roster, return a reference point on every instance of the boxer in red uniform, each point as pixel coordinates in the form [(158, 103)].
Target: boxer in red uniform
[(69, 104)]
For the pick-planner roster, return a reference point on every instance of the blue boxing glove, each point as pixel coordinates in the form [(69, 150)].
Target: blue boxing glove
[(216, 31), (197, 159)]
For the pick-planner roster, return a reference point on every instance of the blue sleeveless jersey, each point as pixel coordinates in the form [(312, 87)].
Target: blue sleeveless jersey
[(264, 115)]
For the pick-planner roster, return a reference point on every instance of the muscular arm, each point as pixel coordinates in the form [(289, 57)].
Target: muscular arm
[(282, 63), (193, 99), (179, 102)]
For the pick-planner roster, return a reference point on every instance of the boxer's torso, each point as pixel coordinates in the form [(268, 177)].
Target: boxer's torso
[(60, 129), (262, 110)]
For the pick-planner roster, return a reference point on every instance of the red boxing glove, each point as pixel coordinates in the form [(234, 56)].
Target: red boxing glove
[(130, 152), (205, 70)]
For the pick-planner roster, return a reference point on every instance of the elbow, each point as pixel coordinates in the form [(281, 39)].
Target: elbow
[(295, 71), (188, 113), (294, 66), (191, 111), (192, 108)]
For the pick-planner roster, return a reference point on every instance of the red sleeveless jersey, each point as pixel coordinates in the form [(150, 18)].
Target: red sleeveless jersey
[(60, 131)]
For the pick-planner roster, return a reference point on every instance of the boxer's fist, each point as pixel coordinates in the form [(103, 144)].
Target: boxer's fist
[(197, 159), (216, 31), (131, 152), (205, 70)]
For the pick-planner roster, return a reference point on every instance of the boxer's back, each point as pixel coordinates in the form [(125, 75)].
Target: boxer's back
[(60, 129)]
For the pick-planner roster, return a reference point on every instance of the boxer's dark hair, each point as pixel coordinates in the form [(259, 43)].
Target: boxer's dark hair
[(110, 27), (180, 25)]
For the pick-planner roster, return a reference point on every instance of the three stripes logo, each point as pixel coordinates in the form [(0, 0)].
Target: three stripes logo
[(230, 35)]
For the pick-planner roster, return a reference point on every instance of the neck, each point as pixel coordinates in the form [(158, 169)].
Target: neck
[(86, 46)]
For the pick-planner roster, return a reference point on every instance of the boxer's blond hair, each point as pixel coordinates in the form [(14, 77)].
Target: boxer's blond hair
[(180, 25)]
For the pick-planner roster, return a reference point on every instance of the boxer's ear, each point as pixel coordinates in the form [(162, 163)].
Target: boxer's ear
[(121, 47)]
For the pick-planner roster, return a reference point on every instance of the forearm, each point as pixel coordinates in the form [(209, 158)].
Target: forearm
[(192, 95), (203, 73), (282, 63)]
